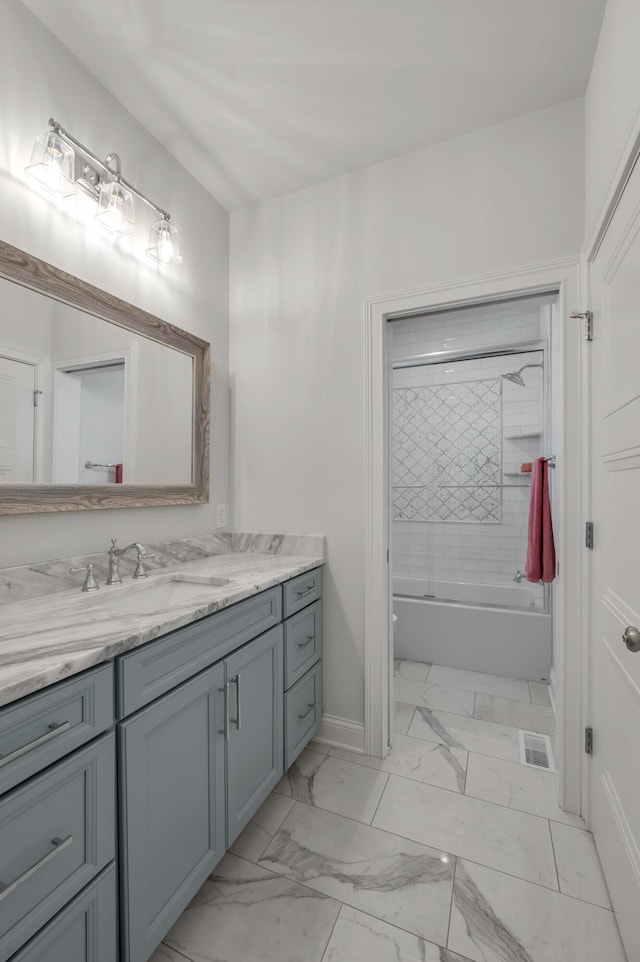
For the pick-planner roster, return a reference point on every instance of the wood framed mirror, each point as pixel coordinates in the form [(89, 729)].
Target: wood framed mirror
[(102, 405)]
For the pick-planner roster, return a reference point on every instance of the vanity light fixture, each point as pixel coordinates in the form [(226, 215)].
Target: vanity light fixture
[(52, 165), (163, 243), (63, 166)]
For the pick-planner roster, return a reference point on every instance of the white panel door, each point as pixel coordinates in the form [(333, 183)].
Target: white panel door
[(17, 421), (615, 669)]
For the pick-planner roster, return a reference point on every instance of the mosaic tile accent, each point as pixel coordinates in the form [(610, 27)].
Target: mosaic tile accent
[(447, 452)]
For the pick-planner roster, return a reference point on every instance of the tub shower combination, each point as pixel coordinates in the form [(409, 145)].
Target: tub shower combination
[(461, 439), (498, 629)]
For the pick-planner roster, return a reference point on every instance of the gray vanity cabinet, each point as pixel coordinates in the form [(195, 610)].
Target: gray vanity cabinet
[(254, 727), (172, 807), (194, 766)]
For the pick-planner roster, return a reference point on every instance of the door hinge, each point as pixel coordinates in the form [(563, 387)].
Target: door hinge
[(587, 316), (588, 741), (588, 534), (35, 398)]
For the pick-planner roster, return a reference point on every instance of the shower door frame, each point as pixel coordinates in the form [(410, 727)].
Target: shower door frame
[(570, 395)]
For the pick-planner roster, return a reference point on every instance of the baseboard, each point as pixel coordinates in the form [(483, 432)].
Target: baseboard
[(341, 733), (552, 689)]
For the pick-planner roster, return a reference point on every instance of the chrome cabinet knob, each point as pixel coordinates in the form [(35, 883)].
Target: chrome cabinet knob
[(631, 638)]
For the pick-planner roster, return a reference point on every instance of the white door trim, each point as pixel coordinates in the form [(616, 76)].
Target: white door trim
[(563, 275)]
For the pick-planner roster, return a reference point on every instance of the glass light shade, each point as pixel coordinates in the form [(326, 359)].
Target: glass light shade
[(52, 165), (115, 209), (163, 243)]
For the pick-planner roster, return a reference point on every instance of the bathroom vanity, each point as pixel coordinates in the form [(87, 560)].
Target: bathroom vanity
[(122, 786)]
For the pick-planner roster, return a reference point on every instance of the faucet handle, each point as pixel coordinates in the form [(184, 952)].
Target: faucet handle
[(141, 571), (90, 583)]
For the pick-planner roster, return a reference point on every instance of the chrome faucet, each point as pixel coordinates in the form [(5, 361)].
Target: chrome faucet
[(519, 575), (114, 561)]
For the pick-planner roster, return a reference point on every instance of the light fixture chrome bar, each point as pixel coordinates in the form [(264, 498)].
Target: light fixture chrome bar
[(113, 173)]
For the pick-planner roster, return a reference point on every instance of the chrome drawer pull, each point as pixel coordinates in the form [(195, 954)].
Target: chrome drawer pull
[(305, 591), (303, 644), (310, 708), (225, 692), (238, 720), (60, 846), (54, 730)]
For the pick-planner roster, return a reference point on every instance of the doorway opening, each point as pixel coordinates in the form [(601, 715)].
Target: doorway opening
[(470, 414)]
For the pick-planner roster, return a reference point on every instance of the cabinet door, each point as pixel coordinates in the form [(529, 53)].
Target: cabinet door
[(172, 802), (255, 723)]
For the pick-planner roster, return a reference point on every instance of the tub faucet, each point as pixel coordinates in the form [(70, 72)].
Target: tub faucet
[(114, 561), (519, 575)]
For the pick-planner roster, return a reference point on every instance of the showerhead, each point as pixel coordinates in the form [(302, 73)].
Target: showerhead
[(516, 376)]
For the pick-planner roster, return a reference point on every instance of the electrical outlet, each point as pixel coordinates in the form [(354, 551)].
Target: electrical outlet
[(221, 515)]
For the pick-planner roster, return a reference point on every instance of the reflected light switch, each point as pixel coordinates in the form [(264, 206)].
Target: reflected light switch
[(221, 515)]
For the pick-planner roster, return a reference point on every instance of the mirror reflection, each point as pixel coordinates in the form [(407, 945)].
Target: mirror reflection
[(84, 401)]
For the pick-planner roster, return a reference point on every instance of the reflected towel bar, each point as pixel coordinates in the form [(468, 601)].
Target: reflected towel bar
[(94, 464)]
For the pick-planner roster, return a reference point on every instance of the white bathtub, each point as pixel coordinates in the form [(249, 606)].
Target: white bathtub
[(470, 626)]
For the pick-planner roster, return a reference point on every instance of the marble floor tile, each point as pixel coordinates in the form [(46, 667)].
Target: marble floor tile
[(358, 936), (496, 918), (253, 840), (434, 696), (166, 954), (471, 734), (318, 747), (579, 870), (518, 714), (416, 758), (517, 786), (402, 716), (411, 670), (477, 681), (245, 913), (539, 693), (334, 784), (501, 838), (391, 878)]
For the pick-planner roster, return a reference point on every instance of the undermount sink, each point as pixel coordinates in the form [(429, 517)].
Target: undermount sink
[(156, 595)]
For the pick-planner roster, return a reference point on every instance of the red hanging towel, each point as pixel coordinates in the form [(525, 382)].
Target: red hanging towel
[(118, 473), (541, 552)]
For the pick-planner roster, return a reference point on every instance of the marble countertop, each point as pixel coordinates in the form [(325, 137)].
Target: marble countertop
[(46, 639)]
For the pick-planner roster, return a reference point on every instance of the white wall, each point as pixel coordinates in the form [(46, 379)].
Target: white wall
[(301, 267), (612, 101), (38, 79)]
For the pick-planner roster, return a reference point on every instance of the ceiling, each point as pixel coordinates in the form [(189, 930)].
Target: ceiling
[(258, 98)]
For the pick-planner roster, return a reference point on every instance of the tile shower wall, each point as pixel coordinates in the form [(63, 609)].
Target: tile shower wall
[(447, 452), (474, 551)]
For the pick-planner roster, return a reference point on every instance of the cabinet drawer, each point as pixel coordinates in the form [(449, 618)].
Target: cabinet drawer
[(40, 729), (156, 668), (56, 834), (302, 642), (303, 713), (301, 591), (86, 931)]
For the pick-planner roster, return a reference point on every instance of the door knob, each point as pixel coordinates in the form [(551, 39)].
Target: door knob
[(631, 638)]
